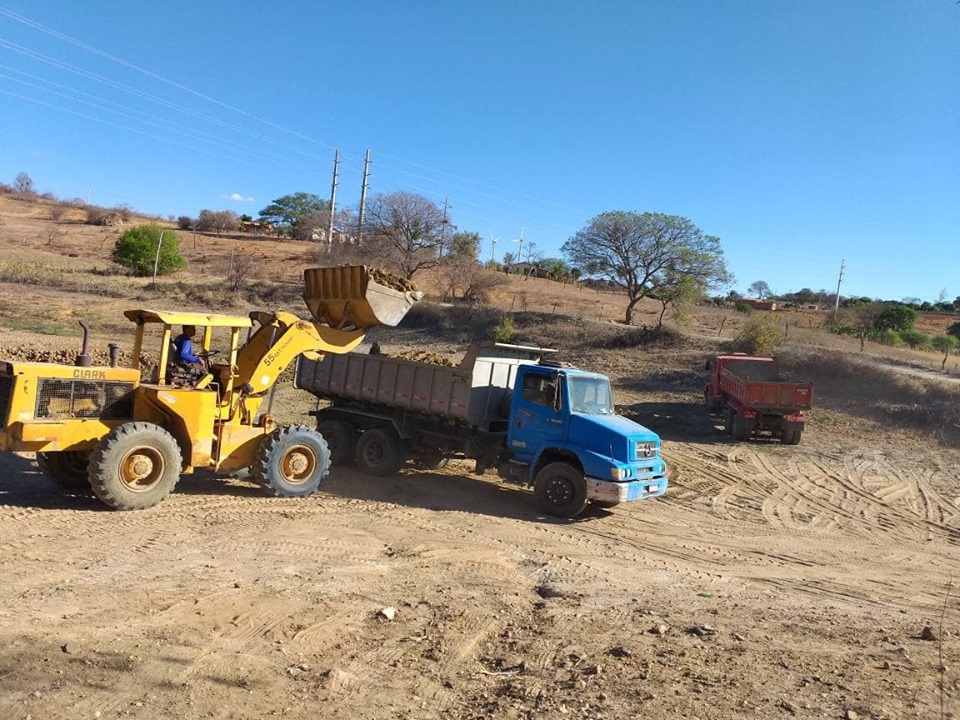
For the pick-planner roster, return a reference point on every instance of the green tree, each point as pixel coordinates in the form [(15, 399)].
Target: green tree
[(954, 329), (137, 250), (897, 317), (291, 214), (944, 344), (681, 293), (644, 254), (464, 246)]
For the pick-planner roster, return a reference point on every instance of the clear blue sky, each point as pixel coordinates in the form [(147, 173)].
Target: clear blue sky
[(802, 132)]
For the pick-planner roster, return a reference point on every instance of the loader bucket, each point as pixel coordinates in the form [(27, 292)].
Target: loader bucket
[(357, 296)]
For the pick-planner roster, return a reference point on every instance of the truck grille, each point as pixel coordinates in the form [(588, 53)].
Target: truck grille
[(6, 391), (642, 450), (83, 399)]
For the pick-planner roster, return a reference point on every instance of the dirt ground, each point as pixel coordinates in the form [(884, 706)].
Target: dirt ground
[(770, 581), (810, 581)]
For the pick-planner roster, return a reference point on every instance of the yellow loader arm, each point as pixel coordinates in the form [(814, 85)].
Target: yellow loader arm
[(280, 339), (349, 299)]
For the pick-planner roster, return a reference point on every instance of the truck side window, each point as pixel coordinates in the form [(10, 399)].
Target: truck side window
[(539, 389)]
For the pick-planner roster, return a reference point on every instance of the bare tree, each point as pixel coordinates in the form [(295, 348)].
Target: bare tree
[(217, 221), (409, 226), (760, 289), (240, 268), (23, 184), (464, 279)]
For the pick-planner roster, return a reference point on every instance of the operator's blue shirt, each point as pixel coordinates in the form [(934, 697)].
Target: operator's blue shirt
[(184, 347)]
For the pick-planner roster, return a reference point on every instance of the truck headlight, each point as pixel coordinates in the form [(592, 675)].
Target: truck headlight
[(619, 473)]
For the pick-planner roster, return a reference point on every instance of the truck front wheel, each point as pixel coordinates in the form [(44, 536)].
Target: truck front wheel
[(379, 453), (291, 461), (560, 490)]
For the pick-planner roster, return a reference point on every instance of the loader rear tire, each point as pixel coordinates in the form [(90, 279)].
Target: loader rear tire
[(560, 490), (379, 453), (68, 469), (341, 437), (135, 466), (291, 461)]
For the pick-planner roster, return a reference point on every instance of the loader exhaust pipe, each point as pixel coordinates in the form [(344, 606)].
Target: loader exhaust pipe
[(114, 354), (83, 359)]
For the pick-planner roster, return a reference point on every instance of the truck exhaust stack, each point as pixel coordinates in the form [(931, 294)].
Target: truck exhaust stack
[(357, 296)]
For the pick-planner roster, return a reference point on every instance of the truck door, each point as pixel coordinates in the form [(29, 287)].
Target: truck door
[(537, 417)]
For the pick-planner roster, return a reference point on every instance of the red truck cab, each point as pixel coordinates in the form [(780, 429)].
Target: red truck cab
[(754, 399)]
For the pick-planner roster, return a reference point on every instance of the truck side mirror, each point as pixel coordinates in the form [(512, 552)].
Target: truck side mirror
[(557, 396)]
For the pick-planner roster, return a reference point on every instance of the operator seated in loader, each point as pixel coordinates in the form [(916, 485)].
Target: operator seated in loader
[(186, 368)]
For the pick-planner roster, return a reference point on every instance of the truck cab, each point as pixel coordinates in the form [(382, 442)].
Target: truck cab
[(565, 438)]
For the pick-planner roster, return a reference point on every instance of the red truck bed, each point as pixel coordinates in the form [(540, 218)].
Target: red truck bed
[(768, 394)]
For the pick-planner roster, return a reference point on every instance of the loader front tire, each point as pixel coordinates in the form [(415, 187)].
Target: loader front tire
[(68, 469), (291, 461), (341, 437), (135, 466)]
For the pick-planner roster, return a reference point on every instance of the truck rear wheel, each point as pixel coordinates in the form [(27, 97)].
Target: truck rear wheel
[(135, 466), (291, 461), (341, 437), (560, 490), (742, 427), (67, 469), (791, 434), (728, 418), (379, 453)]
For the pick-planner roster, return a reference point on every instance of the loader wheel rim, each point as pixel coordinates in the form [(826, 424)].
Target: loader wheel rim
[(298, 464), (142, 468)]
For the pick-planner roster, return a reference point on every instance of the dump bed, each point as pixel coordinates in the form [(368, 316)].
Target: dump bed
[(475, 392), (772, 395)]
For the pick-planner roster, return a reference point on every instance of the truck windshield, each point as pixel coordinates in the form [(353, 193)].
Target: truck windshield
[(590, 395)]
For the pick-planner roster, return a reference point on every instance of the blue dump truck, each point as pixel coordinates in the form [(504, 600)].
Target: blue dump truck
[(540, 423)]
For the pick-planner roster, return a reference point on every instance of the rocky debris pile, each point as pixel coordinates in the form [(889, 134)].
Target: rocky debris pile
[(67, 356), (424, 356), (382, 277)]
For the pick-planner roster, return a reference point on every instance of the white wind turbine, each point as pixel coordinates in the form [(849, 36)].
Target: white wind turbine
[(493, 245), (520, 241)]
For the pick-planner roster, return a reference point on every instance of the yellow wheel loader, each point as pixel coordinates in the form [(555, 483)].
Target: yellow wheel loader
[(130, 438)]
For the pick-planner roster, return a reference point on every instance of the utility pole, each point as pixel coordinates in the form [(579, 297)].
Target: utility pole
[(363, 197), (836, 303), (333, 197), (443, 225)]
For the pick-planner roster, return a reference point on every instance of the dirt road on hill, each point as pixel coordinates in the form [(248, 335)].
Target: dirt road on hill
[(770, 581)]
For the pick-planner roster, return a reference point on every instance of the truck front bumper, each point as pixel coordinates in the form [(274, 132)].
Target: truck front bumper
[(608, 491)]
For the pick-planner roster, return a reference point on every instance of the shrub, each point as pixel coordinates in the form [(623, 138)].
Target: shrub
[(743, 308), (915, 339), (888, 337), (896, 317), (760, 336), (137, 249), (185, 222), (504, 332)]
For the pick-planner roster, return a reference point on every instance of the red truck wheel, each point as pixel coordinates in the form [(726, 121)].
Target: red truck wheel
[(791, 434), (742, 427)]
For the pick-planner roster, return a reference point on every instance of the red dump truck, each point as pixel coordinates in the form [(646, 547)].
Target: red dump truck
[(754, 399)]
